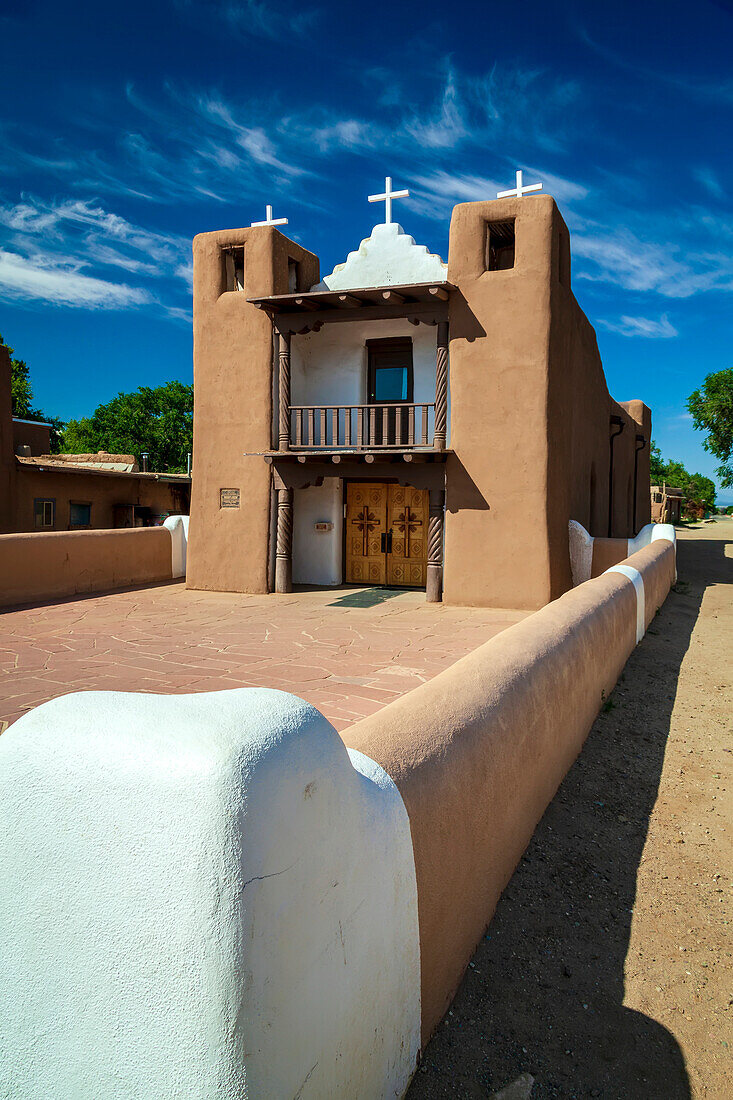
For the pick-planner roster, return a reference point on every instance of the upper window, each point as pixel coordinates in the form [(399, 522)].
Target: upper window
[(44, 512), (390, 370), (233, 257), (80, 515), (500, 245), (292, 276)]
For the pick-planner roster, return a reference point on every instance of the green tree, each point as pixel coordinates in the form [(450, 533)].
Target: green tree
[(21, 391), (696, 487), (712, 411), (157, 420)]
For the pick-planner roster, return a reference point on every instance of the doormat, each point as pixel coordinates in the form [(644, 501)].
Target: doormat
[(367, 597)]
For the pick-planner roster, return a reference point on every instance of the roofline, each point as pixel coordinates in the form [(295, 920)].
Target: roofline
[(39, 423), (68, 468)]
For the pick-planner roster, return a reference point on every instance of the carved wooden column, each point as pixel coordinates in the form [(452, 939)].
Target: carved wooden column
[(284, 547), (284, 392), (434, 586), (441, 387)]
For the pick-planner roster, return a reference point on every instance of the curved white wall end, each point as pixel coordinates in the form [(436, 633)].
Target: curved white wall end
[(202, 895), (178, 527)]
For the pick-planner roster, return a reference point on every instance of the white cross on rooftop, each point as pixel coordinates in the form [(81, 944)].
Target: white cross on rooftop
[(519, 190), (387, 197), (269, 220)]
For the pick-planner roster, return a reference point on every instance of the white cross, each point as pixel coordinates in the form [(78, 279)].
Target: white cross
[(387, 197), (269, 220), (519, 190)]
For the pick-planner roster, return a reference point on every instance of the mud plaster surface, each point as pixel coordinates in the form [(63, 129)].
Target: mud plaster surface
[(606, 971)]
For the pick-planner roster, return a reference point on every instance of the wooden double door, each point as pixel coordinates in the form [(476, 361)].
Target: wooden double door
[(386, 534)]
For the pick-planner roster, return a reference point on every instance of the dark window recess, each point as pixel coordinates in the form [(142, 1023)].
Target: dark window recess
[(292, 276), (80, 515), (233, 257), (44, 513), (390, 381), (500, 245)]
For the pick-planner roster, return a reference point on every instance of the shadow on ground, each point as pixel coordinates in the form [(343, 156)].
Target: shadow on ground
[(544, 992)]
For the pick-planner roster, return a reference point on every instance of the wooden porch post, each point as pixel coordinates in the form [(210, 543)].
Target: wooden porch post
[(434, 586), (441, 387), (284, 392), (284, 547)]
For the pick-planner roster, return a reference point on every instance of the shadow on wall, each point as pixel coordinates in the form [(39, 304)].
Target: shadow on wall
[(560, 936)]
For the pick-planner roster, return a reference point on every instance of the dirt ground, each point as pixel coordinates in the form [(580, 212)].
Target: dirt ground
[(606, 971)]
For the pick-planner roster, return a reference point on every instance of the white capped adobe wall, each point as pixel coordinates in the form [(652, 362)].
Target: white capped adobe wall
[(202, 896), (330, 367), (317, 555), (389, 257)]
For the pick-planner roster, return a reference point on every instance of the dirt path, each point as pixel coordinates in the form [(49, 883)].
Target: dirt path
[(607, 969)]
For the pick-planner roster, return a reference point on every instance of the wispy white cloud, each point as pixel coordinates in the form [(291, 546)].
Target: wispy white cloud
[(642, 326), (623, 258), (709, 181), (250, 18), (53, 252), (62, 283)]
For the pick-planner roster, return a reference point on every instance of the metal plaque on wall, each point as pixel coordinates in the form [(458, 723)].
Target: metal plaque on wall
[(229, 498)]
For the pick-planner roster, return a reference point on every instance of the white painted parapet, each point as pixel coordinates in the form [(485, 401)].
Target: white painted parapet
[(202, 896), (178, 527), (581, 546)]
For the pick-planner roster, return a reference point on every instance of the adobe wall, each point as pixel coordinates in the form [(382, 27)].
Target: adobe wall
[(233, 410), (359, 880), (497, 477), (102, 491), (35, 436), (530, 419), (7, 454), (478, 752), (48, 565)]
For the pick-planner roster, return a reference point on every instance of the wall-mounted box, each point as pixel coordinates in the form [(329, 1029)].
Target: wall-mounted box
[(322, 525)]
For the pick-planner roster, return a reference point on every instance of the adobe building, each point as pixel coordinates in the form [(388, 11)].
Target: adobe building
[(404, 421), (44, 492), (666, 503)]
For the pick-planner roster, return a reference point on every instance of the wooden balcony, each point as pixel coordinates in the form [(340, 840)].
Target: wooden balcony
[(382, 427)]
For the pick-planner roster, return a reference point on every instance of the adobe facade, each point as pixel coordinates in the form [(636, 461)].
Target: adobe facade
[(405, 421)]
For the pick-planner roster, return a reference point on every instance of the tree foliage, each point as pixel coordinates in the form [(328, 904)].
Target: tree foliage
[(696, 487), (21, 391), (157, 420), (712, 411)]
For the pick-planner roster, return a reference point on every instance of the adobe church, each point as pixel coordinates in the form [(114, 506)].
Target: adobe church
[(403, 421)]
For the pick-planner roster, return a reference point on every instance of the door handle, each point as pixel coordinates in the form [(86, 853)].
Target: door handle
[(387, 541)]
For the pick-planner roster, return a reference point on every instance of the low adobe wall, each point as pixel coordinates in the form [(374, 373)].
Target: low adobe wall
[(254, 867), (478, 752), (48, 565)]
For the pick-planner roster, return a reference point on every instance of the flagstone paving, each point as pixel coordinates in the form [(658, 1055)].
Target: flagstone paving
[(348, 661)]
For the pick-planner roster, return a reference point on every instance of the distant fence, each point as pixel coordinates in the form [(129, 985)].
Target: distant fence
[(209, 895), (48, 565)]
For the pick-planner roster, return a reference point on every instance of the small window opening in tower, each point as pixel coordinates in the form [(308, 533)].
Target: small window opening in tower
[(500, 245), (292, 276), (234, 267)]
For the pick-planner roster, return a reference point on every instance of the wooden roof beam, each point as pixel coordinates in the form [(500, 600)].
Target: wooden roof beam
[(439, 292)]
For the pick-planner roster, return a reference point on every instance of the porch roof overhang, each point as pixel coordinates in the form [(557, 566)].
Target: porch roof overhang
[(423, 469), (417, 302)]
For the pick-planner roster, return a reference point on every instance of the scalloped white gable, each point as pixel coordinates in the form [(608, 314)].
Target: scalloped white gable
[(389, 257)]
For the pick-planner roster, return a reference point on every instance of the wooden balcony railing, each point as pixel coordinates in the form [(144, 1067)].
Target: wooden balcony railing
[(359, 427)]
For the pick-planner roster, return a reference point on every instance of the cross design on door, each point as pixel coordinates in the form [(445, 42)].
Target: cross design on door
[(365, 522), (408, 524)]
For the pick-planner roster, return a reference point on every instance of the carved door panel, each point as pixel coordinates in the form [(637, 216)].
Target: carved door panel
[(366, 525), (407, 526)]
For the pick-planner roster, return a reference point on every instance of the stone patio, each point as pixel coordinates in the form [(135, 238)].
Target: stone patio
[(347, 660)]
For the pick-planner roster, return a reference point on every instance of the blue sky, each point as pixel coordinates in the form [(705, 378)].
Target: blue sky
[(127, 129)]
